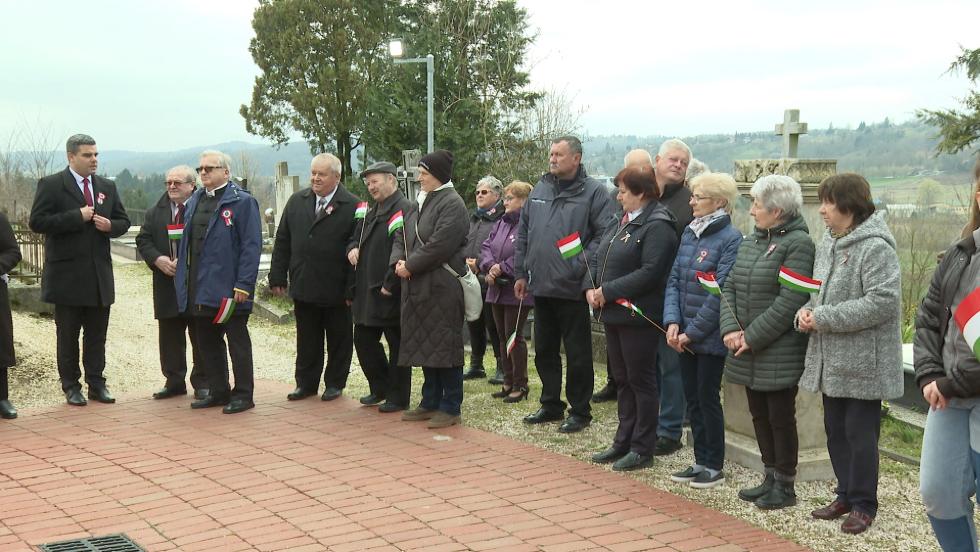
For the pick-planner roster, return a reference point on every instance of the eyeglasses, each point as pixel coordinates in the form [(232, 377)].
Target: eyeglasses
[(482, 192), (174, 183), (205, 169), (700, 197)]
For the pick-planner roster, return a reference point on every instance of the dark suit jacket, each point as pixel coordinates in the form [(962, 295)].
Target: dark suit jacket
[(9, 257), (311, 255), (374, 270), (77, 262), (152, 242)]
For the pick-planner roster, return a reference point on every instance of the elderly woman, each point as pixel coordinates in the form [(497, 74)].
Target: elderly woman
[(766, 353), (630, 268), (489, 209), (691, 310), (948, 372), (9, 257), (854, 357), (509, 314), (428, 256)]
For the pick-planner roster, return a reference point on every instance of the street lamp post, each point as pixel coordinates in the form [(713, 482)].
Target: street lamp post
[(396, 51)]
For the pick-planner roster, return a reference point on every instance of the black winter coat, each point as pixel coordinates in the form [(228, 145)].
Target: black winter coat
[(677, 199), (374, 269), (152, 242), (311, 255), (9, 257)]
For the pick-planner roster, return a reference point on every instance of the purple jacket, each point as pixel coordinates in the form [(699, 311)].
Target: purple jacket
[(499, 249)]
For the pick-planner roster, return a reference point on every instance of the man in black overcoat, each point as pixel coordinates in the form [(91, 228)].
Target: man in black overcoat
[(309, 259), (159, 250), (78, 212)]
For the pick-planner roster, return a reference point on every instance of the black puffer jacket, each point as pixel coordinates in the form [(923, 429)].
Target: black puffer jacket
[(633, 262)]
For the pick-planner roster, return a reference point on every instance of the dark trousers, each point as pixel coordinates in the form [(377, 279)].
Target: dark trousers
[(313, 323), (853, 427), (514, 365), (558, 321), (173, 334), (442, 389), (3, 383), (774, 419), (70, 320), (211, 340), (385, 378), (701, 374), (633, 362), (484, 331)]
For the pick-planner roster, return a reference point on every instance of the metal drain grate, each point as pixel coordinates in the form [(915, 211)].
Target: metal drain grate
[(108, 543)]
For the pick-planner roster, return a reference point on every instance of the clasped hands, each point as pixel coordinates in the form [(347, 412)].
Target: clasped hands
[(805, 321), (595, 298), (735, 342)]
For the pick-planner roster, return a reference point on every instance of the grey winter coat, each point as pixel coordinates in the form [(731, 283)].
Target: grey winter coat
[(856, 350), (551, 214), (432, 300), (765, 308)]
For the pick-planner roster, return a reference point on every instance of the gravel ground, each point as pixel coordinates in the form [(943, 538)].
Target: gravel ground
[(133, 368)]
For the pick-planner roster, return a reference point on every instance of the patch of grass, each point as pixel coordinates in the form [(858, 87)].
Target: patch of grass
[(900, 437)]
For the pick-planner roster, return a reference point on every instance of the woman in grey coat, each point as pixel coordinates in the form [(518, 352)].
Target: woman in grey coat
[(855, 352), (431, 240)]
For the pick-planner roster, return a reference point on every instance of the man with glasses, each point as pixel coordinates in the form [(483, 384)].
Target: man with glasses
[(78, 211), (310, 260), (217, 265), (157, 243)]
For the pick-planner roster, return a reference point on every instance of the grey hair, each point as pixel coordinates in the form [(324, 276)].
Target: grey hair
[(330, 159), (491, 182), (190, 177), (674, 144), (574, 144), (638, 152), (696, 167), (75, 142), (224, 160), (776, 191)]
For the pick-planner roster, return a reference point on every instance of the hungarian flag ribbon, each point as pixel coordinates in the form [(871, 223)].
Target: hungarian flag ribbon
[(175, 231), (225, 310), (395, 222), (570, 245), (361, 210), (798, 282), (967, 317), (630, 305), (708, 282)]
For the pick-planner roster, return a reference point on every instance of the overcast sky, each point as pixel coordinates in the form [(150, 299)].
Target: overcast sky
[(162, 75)]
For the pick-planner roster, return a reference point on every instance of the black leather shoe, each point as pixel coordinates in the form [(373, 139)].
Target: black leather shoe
[(498, 375), (75, 397), (574, 424), (607, 393), (299, 393), (202, 393), (632, 461), (666, 445), (611, 454), (331, 393), (168, 392), (100, 394), (371, 400), (474, 373), (238, 405), (390, 407), (542, 416), (209, 402), (7, 410)]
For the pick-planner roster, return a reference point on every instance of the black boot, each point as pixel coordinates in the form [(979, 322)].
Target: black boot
[(498, 375), (751, 494), (781, 495), (476, 369), (607, 393), (7, 410)]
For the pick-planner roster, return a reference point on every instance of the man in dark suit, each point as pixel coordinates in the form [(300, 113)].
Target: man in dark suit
[(377, 293), (159, 249), (78, 212), (310, 259)]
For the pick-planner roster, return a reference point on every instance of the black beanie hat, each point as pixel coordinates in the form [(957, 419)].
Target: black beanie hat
[(439, 164)]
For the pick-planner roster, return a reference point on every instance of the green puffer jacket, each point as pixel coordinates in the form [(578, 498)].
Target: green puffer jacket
[(766, 309)]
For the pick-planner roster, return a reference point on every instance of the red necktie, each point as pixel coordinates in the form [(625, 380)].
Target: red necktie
[(88, 193), (179, 217), (626, 218)]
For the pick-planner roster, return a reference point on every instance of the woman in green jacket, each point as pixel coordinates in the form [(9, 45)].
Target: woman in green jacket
[(765, 288)]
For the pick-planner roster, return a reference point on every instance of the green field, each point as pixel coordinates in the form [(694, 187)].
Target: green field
[(941, 189)]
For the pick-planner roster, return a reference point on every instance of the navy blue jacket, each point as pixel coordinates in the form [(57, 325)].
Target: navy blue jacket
[(230, 256), (689, 305)]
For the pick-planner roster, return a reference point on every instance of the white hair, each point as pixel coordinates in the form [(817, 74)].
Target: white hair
[(224, 160), (330, 159), (188, 174), (491, 182), (674, 144), (776, 191), (638, 152), (696, 167)]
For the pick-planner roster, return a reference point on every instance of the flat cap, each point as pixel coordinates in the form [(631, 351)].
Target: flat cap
[(380, 167)]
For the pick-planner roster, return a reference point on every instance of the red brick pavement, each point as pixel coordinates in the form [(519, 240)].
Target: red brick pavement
[(309, 475)]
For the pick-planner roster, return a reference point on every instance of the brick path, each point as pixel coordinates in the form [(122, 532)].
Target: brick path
[(309, 475)]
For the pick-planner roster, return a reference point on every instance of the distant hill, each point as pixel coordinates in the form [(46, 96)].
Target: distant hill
[(264, 158)]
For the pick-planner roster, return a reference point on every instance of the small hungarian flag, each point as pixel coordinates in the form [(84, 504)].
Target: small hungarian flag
[(797, 282), (225, 310), (633, 308), (175, 231), (511, 342), (708, 282), (361, 210), (395, 222), (570, 245), (967, 317)]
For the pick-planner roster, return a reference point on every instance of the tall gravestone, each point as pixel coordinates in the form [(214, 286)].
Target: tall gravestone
[(741, 446), (286, 186)]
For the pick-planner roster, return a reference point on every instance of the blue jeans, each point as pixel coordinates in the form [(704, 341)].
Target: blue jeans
[(442, 389), (672, 403), (701, 374), (948, 473)]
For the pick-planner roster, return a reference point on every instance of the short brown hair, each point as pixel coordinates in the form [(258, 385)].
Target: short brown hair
[(639, 180), (850, 193), (518, 189)]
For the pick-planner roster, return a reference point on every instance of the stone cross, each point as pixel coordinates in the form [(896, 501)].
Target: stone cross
[(790, 129)]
